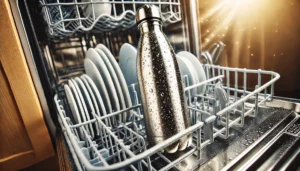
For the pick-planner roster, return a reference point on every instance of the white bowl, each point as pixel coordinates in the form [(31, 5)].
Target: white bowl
[(101, 8)]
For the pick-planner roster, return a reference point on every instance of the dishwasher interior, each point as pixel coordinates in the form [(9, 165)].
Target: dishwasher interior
[(253, 130)]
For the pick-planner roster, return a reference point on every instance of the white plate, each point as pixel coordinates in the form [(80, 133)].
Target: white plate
[(74, 109), (198, 67), (185, 70), (92, 96), (119, 74), (77, 100), (127, 62), (114, 80), (97, 60), (85, 109), (89, 104), (84, 112), (191, 68), (100, 103), (92, 71)]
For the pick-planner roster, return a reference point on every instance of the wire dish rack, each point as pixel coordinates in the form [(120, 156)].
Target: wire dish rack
[(67, 17), (125, 147)]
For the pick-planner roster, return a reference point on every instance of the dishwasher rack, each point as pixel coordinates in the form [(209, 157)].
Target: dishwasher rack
[(64, 18), (126, 145)]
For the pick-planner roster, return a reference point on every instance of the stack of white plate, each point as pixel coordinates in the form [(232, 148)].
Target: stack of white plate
[(101, 91), (189, 66)]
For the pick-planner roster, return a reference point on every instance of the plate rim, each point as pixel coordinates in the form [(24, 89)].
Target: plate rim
[(90, 92), (123, 60), (76, 113), (197, 66), (114, 79), (93, 55), (104, 95), (83, 105), (192, 70), (193, 81), (119, 74), (98, 97), (83, 119), (88, 102)]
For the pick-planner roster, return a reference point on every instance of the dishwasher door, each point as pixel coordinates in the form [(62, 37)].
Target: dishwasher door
[(54, 58)]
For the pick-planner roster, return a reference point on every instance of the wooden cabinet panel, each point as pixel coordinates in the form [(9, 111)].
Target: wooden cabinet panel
[(13, 135), (24, 138)]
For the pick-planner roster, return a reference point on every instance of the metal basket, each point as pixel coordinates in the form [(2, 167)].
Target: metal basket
[(68, 17), (126, 146)]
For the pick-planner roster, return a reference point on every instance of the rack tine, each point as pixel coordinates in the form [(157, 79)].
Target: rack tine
[(235, 84), (228, 82), (198, 143), (256, 102), (245, 82), (272, 88), (243, 114)]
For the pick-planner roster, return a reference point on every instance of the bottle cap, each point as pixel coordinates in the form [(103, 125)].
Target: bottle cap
[(147, 12)]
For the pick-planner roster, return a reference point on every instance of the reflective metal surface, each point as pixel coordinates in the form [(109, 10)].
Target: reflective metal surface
[(195, 28), (240, 151), (290, 105), (245, 142)]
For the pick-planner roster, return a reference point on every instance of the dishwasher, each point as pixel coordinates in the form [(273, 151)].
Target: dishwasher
[(252, 130)]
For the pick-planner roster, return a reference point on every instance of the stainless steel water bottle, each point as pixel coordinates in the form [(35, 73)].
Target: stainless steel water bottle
[(160, 83)]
